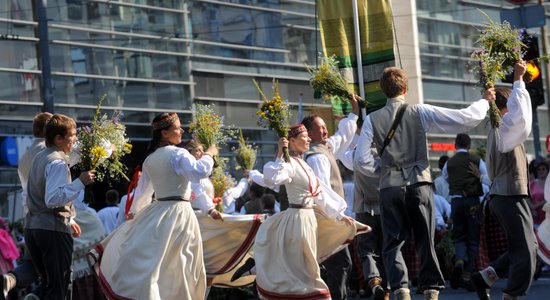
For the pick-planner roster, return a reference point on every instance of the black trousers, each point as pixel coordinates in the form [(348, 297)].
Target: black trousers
[(466, 215), (51, 253), (369, 247), (338, 267), (403, 209), (519, 262)]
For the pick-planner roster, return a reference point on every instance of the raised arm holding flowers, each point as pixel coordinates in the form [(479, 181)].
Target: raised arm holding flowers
[(208, 128), (501, 48), (274, 114)]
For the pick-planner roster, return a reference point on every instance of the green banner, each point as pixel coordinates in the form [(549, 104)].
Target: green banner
[(338, 38)]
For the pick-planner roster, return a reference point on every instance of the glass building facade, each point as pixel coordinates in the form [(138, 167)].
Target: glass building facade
[(152, 56)]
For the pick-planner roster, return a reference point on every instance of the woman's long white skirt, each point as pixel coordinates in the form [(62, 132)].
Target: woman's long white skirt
[(289, 247), (158, 255)]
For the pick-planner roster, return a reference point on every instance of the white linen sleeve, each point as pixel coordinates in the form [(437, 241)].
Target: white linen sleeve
[(201, 200), (363, 160), (278, 172), (58, 191), (342, 138), (516, 123), (185, 164), (435, 118), (258, 178), (320, 165)]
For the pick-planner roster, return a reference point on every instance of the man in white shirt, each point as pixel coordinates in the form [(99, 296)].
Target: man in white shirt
[(321, 157), (508, 197)]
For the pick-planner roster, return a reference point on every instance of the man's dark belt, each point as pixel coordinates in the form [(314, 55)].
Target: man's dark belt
[(299, 206), (173, 198)]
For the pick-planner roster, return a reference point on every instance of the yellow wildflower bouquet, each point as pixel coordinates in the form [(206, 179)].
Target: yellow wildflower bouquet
[(274, 114), (328, 80), (208, 128), (102, 144), (222, 181), (246, 154)]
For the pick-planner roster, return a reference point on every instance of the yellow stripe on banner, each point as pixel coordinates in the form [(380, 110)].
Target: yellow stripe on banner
[(338, 38)]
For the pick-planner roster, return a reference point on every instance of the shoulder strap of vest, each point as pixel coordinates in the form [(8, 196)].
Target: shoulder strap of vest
[(396, 121)]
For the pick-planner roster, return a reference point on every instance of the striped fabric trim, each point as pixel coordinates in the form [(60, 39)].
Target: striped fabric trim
[(243, 249)]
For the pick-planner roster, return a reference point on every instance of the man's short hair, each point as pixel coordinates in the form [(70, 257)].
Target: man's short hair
[(267, 201), (463, 141), (308, 121), (38, 124), (111, 197), (502, 94), (58, 124), (393, 82), (442, 160)]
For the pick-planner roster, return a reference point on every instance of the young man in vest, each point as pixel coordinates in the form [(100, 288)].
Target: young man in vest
[(25, 274), (507, 167), (465, 191), (50, 193), (321, 157), (405, 184)]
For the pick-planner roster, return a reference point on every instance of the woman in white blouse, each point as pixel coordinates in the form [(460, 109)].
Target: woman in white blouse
[(287, 249), (159, 254)]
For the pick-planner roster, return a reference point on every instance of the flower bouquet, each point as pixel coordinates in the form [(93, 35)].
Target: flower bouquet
[(328, 80), (207, 128), (246, 154), (101, 146), (501, 47), (274, 114), (222, 181)]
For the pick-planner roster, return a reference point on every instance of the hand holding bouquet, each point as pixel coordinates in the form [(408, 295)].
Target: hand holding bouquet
[(222, 181), (274, 114), (208, 128), (102, 145), (246, 154), (501, 47), (328, 80)]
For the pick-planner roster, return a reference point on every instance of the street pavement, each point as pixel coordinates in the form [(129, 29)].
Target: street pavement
[(540, 290)]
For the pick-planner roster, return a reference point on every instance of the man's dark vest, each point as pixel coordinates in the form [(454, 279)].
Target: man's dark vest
[(461, 180)]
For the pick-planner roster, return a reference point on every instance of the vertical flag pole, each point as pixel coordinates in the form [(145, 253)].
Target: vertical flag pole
[(358, 57)]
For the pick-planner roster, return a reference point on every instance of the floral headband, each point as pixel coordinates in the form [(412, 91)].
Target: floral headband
[(165, 122), (296, 130)]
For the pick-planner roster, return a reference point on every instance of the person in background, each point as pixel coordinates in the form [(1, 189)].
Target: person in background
[(536, 185), (406, 207), (253, 205), (441, 185), (267, 204), (507, 168), (25, 273), (50, 193), (465, 190), (109, 214)]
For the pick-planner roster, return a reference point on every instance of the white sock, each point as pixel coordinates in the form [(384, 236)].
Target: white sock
[(489, 275)]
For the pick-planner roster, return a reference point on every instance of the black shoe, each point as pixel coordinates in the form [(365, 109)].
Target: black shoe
[(246, 267), (481, 288), (378, 292), (456, 276)]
